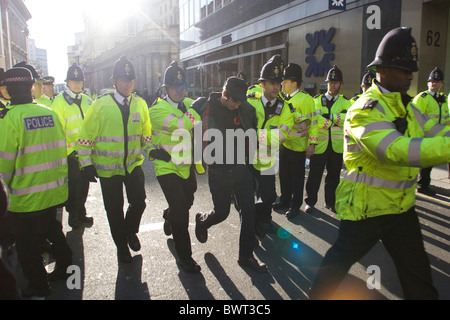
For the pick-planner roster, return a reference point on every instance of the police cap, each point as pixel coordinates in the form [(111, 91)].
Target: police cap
[(175, 76), (18, 76), (293, 72), (334, 74), (123, 69), (33, 71), (436, 75), (75, 73), (49, 80), (398, 49), (273, 70), (368, 79)]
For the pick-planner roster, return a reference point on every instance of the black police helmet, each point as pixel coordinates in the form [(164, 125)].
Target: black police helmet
[(75, 73), (273, 70), (293, 72), (436, 75), (398, 49), (123, 69), (175, 76), (18, 76), (334, 74), (368, 78), (33, 71)]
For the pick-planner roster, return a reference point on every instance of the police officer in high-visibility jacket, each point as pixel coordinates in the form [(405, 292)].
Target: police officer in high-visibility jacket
[(72, 106), (275, 120), (331, 108), (115, 130), (387, 140), (433, 103), (4, 95), (33, 165), (366, 83), (172, 128), (296, 148)]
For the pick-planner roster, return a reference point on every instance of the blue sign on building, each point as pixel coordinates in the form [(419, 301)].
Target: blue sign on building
[(337, 4)]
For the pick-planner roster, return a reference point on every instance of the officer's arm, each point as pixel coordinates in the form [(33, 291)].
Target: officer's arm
[(88, 134), (313, 129), (146, 142), (379, 138), (8, 150)]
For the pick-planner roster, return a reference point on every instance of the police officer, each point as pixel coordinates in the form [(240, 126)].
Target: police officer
[(228, 111), (275, 120), (387, 140), (33, 165), (115, 129), (331, 109), (174, 169), (38, 87), (72, 106), (296, 148), (48, 90), (366, 83), (433, 103)]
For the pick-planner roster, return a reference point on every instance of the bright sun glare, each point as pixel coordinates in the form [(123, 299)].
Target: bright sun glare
[(110, 12)]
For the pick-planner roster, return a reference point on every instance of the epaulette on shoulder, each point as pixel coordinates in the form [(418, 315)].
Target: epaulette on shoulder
[(424, 95), (3, 112), (315, 97), (345, 97), (370, 104), (254, 95), (252, 87)]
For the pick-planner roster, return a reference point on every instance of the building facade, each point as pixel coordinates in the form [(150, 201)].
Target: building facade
[(14, 32), (220, 38)]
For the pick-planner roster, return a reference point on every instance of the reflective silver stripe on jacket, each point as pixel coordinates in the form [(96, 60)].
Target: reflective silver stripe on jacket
[(39, 188), (7, 155), (40, 167), (378, 182), (41, 147)]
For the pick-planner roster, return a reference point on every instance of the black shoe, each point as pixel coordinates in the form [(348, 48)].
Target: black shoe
[(189, 265), (58, 274), (74, 223), (292, 213), (309, 209), (200, 231), (29, 292), (167, 226), (133, 242), (124, 255), (86, 219), (426, 190), (280, 205), (253, 264), (331, 208)]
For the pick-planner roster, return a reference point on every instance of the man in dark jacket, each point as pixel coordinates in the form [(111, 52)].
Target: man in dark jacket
[(230, 123)]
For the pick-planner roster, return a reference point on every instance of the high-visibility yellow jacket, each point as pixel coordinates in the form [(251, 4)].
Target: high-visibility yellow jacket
[(112, 146), (71, 117), (44, 100), (437, 111), (173, 132), (331, 129), (382, 162), (305, 108), (272, 131), (33, 159)]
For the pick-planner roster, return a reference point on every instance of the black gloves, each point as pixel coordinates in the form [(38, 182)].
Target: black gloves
[(90, 173), (160, 154)]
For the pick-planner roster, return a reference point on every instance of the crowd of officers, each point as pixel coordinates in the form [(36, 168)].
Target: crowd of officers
[(49, 155)]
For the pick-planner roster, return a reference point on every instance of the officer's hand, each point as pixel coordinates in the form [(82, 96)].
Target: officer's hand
[(160, 154), (303, 129), (326, 116), (90, 173)]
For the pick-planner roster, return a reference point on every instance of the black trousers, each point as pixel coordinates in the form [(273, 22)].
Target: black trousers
[(401, 236), (179, 194), (31, 230), (292, 177), (223, 183), (332, 161), (424, 177), (78, 189), (112, 189), (266, 191)]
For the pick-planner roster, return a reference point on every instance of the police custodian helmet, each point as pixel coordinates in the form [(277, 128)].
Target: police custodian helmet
[(123, 69), (293, 72), (273, 70), (75, 73), (334, 74), (436, 75), (174, 76), (398, 49)]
